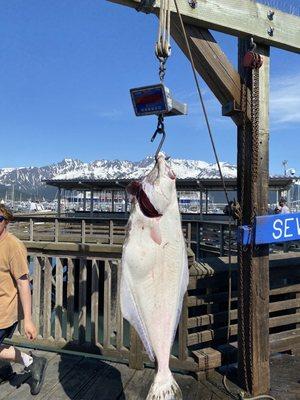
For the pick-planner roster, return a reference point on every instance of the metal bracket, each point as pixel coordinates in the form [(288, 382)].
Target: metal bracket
[(145, 6), (245, 235), (193, 3), (230, 109)]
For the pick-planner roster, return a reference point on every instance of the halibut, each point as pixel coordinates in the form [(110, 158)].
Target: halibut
[(155, 274)]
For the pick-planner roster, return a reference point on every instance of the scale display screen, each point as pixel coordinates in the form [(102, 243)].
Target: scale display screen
[(149, 100)]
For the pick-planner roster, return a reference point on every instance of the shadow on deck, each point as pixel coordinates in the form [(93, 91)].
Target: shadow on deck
[(83, 378)]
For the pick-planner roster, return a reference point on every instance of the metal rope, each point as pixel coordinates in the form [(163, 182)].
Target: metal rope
[(163, 48), (202, 101)]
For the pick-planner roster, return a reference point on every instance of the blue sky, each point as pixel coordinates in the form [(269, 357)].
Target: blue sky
[(67, 66)]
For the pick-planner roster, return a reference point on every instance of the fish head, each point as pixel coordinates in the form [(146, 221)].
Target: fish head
[(160, 184)]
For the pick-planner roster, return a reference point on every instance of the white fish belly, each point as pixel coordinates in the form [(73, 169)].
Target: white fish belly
[(154, 280)]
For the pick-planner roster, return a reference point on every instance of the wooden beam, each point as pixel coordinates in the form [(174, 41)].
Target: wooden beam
[(253, 301), (211, 63), (241, 19)]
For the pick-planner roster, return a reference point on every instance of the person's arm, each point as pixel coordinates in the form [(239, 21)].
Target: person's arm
[(25, 298)]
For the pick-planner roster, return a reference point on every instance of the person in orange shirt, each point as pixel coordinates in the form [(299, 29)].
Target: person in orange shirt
[(14, 286)]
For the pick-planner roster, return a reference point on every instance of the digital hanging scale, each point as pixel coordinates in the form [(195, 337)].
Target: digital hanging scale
[(156, 100)]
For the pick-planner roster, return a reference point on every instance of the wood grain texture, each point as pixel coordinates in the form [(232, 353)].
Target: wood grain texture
[(241, 19)]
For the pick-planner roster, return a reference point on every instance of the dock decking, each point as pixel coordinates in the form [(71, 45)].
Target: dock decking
[(83, 378)]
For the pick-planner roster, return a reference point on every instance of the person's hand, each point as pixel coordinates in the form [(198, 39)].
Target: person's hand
[(30, 330)]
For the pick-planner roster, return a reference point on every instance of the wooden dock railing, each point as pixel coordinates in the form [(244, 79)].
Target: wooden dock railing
[(76, 308), (206, 238), (203, 237)]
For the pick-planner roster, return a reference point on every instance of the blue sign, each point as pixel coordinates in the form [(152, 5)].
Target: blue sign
[(276, 228)]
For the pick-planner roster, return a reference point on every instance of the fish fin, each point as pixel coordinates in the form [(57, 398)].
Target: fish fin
[(131, 313), (156, 234), (184, 281), (164, 387)]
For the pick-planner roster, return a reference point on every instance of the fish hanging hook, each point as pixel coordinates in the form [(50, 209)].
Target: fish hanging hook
[(161, 130)]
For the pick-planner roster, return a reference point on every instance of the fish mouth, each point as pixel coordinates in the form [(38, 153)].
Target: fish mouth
[(161, 168)]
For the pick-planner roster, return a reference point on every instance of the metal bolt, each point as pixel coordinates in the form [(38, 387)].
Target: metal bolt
[(271, 31), (193, 3), (271, 15)]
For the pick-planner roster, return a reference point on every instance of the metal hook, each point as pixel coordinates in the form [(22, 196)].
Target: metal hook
[(252, 44), (161, 130)]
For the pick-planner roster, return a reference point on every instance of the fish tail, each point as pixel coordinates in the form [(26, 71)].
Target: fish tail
[(164, 387)]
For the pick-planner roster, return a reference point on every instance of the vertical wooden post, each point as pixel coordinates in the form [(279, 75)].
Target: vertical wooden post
[(92, 202), (136, 350), (126, 202), (83, 230), (222, 241), (84, 200), (58, 202), (70, 299), (111, 231), (31, 227), (112, 201), (56, 230), (201, 205), (253, 334)]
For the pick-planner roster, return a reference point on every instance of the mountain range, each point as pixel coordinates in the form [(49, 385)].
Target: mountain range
[(29, 180)]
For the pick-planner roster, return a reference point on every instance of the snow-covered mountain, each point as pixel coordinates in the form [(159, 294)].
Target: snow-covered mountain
[(29, 179)]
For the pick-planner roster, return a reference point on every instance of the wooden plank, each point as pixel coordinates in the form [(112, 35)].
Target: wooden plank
[(191, 388), (120, 328), (58, 367), (36, 295), (220, 333), (108, 382), (284, 341), (136, 348), (76, 379), (221, 317), (74, 247), (47, 298), (138, 387), (208, 358), (82, 300), (183, 331), (83, 231), (56, 230), (95, 303), (211, 63), (111, 232), (58, 299), (70, 299), (284, 320), (241, 20), (107, 305)]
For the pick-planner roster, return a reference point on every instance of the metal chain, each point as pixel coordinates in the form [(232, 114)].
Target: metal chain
[(162, 69), (254, 175), (254, 76), (240, 252)]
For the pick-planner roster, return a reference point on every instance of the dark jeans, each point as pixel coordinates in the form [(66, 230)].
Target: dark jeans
[(7, 332)]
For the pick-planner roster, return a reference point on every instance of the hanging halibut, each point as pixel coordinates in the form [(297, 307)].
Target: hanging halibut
[(155, 271)]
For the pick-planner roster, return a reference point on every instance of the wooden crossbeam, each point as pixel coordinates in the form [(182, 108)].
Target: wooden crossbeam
[(239, 18), (212, 64)]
